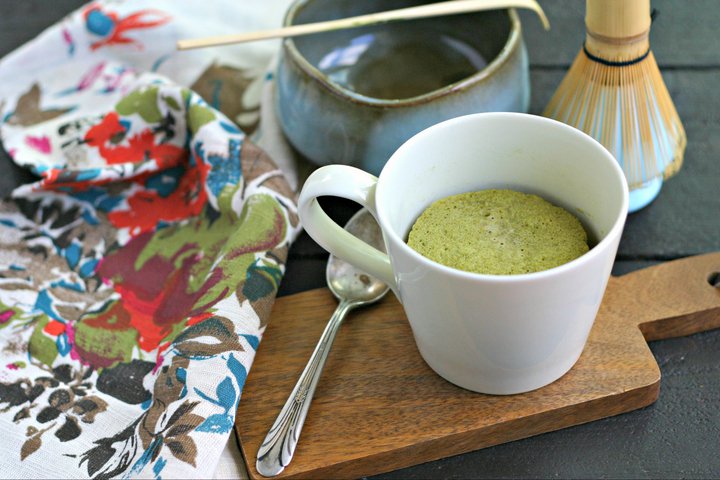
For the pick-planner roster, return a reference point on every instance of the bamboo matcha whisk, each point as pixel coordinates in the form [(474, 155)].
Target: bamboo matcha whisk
[(615, 93)]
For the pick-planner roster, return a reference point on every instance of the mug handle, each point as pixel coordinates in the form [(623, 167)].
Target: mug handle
[(356, 185)]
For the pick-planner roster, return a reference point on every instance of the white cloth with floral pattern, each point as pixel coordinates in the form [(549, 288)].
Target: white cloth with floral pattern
[(137, 273)]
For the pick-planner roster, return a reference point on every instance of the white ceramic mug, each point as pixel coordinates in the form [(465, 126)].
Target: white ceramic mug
[(495, 334)]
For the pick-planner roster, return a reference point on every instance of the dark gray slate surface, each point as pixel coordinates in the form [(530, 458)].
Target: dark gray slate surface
[(677, 437), (681, 35)]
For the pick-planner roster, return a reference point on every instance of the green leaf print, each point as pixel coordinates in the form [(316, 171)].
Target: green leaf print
[(199, 115), (143, 102), (172, 103), (105, 347), (41, 347), (263, 228)]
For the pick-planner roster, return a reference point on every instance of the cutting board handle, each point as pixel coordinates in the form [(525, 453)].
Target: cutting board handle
[(669, 300)]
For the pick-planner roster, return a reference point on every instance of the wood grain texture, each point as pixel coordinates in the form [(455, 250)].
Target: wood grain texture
[(669, 300), (379, 407)]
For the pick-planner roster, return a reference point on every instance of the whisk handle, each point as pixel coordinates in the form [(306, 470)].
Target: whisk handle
[(617, 30)]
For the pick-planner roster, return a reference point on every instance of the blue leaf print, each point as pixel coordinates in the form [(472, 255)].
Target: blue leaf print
[(253, 340), (237, 368), (220, 422), (89, 218), (181, 376), (224, 170), (88, 268), (226, 394), (145, 457), (44, 303), (166, 182), (216, 423), (206, 397), (88, 174), (229, 127), (158, 467), (72, 254), (63, 346)]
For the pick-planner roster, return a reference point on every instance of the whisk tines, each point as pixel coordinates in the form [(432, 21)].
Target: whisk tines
[(614, 92)]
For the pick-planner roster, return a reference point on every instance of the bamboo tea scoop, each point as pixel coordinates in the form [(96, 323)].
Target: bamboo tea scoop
[(451, 7)]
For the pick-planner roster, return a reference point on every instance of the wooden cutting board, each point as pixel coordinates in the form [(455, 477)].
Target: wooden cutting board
[(379, 407)]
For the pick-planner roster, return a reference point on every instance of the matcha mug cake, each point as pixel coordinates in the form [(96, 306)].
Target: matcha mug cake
[(500, 232), (490, 333)]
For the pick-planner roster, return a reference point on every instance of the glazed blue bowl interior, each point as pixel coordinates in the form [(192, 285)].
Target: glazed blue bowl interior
[(402, 59)]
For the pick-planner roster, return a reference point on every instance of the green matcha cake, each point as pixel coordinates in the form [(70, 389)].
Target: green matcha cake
[(500, 232)]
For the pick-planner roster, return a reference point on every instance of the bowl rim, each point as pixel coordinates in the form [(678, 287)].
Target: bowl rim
[(512, 43)]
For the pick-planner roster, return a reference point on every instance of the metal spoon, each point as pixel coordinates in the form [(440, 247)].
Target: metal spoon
[(353, 288)]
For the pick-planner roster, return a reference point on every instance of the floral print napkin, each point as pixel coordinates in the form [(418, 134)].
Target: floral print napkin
[(138, 272)]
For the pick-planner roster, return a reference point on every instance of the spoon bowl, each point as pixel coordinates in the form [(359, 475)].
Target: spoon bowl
[(346, 281)]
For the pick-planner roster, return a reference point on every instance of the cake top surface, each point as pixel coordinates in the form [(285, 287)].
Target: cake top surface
[(499, 232)]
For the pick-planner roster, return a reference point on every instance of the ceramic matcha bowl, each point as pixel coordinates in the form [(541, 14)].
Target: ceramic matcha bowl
[(354, 96)]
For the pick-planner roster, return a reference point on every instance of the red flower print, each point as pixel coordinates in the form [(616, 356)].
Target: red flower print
[(109, 138)]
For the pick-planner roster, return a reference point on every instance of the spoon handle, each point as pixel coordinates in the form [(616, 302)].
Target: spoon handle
[(278, 448)]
